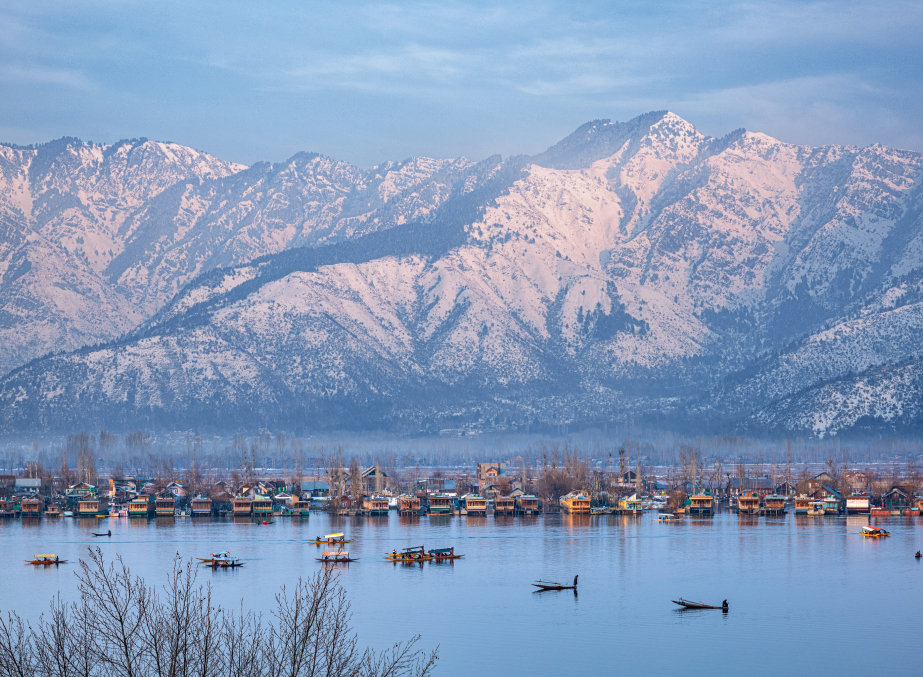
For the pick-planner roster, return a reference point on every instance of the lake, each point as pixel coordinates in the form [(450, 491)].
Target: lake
[(806, 595)]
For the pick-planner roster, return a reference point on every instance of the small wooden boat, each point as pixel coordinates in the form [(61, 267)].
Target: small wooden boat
[(215, 555), (330, 539), (874, 532), (45, 560), (224, 563), (108, 533), (444, 554), (544, 586), (665, 517), (698, 605), (412, 555), (336, 557), (918, 555)]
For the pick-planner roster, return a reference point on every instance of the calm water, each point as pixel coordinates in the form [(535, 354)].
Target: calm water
[(806, 595)]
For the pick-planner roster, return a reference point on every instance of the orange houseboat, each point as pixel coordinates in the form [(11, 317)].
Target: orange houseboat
[(702, 505), (803, 504), (528, 505), (375, 505), (262, 506), (576, 503), (440, 505), (141, 505), (504, 505), (242, 507), (201, 507), (165, 507), (476, 505), (408, 505), (91, 506), (748, 505), (33, 507), (773, 505)]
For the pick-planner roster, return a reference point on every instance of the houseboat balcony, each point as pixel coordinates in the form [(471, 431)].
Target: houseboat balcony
[(803, 504), (702, 505), (576, 503), (476, 505), (858, 504), (375, 506), (91, 506), (748, 505), (262, 506), (201, 507), (242, 507), (440, 505), (528, 505), (773, 505), (408, 505), (141, 506), (165, 507), (504, 506)]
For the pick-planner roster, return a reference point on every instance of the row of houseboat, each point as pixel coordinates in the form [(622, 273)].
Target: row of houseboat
[(470, 504)]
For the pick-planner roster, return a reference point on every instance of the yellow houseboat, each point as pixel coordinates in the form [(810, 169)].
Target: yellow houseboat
[(528, 505), (702, 505), (773, 505), (141, 505), (576, 503), (262, 506), (803, 504), (748, 505), (165, 507), (440, 504), (408, 505), (504, 505), (201, 507), (631, 505), (242, 507), (476, 505), (91, 506), (375, 505)]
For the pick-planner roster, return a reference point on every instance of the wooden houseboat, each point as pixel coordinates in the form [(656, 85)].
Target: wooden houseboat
[(242, 506), (301, 508), (33, 506), (895, 502), (201, 506), (701, 505), (141, 505), (165, 506), (375, 506), (91, 506), (504, 505), (803, 504), (773, 504), (831, 504), (262, 506), (576, 503), (528, 505), (408, 505), (748, 505), (858, 504), (631, 505), (6, 508), (476, 505), (440, 504), (54, 510)]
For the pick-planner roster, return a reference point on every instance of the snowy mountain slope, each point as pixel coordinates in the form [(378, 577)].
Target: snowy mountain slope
[(634, 268)]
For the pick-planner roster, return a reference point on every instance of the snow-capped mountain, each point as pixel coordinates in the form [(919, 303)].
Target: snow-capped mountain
[(635, 268)]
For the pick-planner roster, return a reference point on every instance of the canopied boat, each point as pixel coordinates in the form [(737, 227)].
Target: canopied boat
[(45, 560), (336, 557), (414, 554), (443, 554), (224, 563), (874, 532), (330, 539)]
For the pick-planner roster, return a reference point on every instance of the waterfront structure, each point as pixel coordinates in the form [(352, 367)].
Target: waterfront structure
[(407, 504), (631, 505), (201, 506), (701, 505), (576, 503), (32, 506), (773, 504), (375, 505), (165, 506), (476, 504), (748, 504), (141, 505), (896, 502), (858, 504), (440, 504), (91, 506), (803, 504), (504, 505), (242, 506), (528, 504), (261, 506)]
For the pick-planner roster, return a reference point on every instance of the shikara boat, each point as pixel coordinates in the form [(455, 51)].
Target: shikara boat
[(415, 554), (443, 554), (874, 532), (108, 533), (698, 605), (336, 557), (45, 560), (215, 555), (544, 586), (330, 539), (224, 563), (918, 555)]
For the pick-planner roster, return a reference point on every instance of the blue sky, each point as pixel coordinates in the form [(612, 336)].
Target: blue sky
[(366, 82)]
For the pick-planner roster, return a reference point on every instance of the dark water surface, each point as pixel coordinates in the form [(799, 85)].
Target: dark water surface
[(807, 595)]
